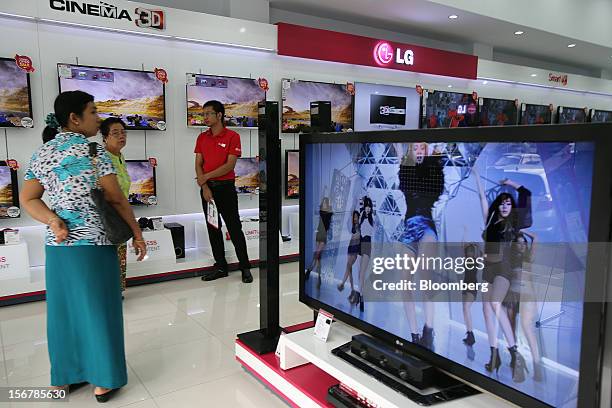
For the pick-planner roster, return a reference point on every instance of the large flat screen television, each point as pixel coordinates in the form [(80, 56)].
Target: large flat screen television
[(536, 114), (247, 175), (292, 174), (600, 116), (15, 95), (239, 96), (9, 192), (571, 115), (297, 96), (401, 208), (498, 112), (381, 107), (445, 109), (143, 190), (137, 97)]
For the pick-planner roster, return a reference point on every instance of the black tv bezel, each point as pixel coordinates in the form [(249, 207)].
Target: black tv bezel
[(217, 76), (59, 84), (29, 98), (382, 124), (585, 110), (599, 231), (282, 103), (593, 110), (245, 158), (15, 188), (535, 124), (154, 180), (481, 102), (423, 111), (287, 196)]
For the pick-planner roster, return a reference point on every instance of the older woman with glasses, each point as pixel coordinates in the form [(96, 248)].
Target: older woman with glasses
[(115, 139)]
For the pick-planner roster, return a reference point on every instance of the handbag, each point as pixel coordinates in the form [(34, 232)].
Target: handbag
[(117, 230)]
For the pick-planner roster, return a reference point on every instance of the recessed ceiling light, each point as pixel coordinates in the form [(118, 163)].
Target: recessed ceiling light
[(243, 30), (485, 82), (450, 86), (453, 16), (572, 45), (519, 32), (534, 75)]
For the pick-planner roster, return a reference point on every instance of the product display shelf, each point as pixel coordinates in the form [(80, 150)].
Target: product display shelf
[(302, 350)]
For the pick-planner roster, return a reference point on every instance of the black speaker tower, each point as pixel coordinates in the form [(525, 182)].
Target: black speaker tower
[(265, 339)]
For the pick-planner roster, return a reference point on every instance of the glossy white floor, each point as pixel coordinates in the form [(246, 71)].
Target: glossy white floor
[(179, 339)]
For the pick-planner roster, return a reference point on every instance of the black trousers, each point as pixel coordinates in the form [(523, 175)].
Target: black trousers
[(226, 199)]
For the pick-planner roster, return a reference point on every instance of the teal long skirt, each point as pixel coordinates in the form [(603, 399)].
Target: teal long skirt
[(85, 316)]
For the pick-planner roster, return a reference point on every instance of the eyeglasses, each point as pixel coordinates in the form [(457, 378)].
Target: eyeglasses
[(118, 133), (206, 114)]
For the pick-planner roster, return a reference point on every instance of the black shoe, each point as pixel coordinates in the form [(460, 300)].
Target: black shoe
[(494, 362), (319, 281), (107, 396), (307, 274), (352, 297), (427, 339), (469, 339), (216, 274), (416, 338), (246, 276), (518, 364)]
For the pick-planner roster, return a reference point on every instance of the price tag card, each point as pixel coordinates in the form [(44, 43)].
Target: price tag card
[(323, 325), (212, 214)]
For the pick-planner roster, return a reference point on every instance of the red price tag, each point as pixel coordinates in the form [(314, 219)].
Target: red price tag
[(263, 84), (13, 164), (161, 75), (24, 62), (419, 90), (153, 161), (350, 88)]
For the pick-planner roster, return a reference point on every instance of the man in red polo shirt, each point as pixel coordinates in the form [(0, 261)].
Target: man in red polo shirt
[(217, 151)]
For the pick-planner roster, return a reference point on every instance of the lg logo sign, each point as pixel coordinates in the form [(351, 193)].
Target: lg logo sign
[(384, 54)]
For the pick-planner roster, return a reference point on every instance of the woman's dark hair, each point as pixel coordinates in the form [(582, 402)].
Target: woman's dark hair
[(66, 103), (107, 123), (512, 220), (217, 107), (527, 255), (353, 229), (367, 202)]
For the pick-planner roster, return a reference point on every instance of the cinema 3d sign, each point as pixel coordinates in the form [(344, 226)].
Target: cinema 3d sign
[(144, 18), (384, 54)]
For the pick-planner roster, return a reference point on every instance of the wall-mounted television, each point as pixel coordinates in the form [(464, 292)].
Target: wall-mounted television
[(137, 97), (600, 116), (498, 112), (9, 192), (143, 190), (536, 114), (445, 109), (381, 107), (571, 115), (247, 175), (425, 189), (296, 99), (239, 96), (292, 174), (15, 95)]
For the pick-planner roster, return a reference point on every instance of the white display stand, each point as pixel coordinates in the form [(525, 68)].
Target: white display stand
[(14, 266), (303, 347), (159, 247)]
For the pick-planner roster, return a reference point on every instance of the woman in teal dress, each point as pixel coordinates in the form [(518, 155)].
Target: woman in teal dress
[(84, 311), (115, 139)]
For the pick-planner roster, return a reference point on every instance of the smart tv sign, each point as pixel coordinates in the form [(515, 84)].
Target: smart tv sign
[(325, 45)]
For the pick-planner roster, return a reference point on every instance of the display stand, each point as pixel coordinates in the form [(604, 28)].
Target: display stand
[(302, 352), (265, 339), (159, 248), (14, 265)]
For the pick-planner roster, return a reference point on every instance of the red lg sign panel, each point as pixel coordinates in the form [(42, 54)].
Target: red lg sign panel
[(146, 18)]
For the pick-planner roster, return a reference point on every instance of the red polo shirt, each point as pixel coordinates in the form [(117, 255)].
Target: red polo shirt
[(215, 149)]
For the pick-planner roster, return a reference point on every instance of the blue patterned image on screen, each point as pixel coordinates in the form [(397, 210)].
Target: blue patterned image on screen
[(600, 116), (376, 199)]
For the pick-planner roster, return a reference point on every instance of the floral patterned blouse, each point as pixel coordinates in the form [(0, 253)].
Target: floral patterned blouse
[(63, 167)]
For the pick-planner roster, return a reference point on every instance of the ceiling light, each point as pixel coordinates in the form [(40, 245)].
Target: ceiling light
[(572, 45), (519, 32), (453, 16), (243, 30), (534, 75), (450, 86), (485, 82)]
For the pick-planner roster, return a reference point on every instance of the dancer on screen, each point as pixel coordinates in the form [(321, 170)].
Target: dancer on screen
[(503, 219), (421, 179), (354, 250), (325, 217), (366, 229)]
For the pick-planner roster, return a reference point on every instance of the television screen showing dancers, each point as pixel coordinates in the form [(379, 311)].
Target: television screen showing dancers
[(536, 114), (600, 116), (571, 115), (378, 213), (498, 112), (136, 97), (449, 110)]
